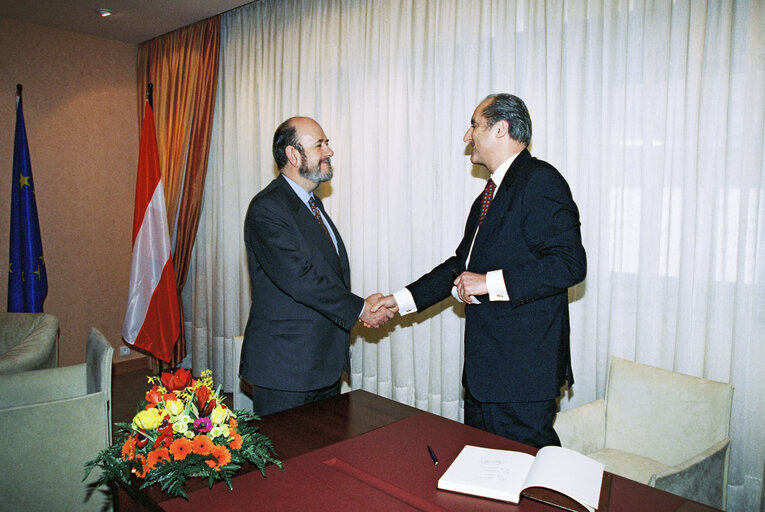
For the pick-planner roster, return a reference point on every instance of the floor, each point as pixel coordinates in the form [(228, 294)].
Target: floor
[(128, 389)]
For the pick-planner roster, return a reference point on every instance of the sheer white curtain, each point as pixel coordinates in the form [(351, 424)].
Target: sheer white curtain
[(653, 110)]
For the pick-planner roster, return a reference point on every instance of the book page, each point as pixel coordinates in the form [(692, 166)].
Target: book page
[(497, 474), (568, 472)]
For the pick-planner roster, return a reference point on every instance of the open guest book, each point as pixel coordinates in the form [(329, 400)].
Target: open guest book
[(557, 476)]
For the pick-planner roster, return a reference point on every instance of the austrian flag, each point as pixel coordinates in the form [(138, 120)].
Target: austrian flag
[(152, 319)]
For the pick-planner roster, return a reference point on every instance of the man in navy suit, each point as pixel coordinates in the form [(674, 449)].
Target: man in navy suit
[(521, 251), (296, 342)]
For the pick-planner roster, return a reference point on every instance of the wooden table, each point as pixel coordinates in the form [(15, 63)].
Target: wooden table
[(395, 436), (293, 432)]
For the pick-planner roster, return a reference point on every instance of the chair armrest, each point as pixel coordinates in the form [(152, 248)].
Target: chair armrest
[(583, 428), (42, 385), (47, 445), (703, 478)]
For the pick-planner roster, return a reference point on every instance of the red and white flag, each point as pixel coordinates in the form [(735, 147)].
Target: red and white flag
[(153, 318)]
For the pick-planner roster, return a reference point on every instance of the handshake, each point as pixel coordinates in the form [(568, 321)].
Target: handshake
[(378, 309)]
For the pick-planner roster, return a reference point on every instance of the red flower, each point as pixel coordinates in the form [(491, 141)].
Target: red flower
[(165, 436), (203, 395), (153, 396), (176, 381), (140, 440)]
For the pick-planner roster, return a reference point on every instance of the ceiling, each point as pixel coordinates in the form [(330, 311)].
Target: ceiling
[(132, 21)]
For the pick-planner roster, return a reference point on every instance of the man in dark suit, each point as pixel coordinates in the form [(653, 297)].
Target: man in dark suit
[(521, 251), (296, 342)]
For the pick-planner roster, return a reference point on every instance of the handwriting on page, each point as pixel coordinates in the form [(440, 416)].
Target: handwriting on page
[(493, 469)]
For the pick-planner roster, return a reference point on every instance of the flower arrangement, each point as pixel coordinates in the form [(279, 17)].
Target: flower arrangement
[(182, 429)]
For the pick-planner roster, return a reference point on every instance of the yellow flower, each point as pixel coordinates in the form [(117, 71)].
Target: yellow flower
[(147, 420), (174, 407), (219, 415)]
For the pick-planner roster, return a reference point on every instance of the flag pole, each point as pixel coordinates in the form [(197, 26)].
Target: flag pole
[(18, 91), (156, 363)]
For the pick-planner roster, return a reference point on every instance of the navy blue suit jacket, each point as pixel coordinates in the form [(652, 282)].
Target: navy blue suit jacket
[(517, 351), (297, 335)]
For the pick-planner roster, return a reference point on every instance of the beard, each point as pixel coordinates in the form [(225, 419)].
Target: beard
[(315, 174)]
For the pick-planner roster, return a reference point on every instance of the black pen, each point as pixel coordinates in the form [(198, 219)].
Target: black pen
[(433, 456)]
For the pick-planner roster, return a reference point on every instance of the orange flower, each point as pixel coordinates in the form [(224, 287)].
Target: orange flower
[(236, 440), (180, 448), (222, 456), (128, 449), (155, 456), (232, 423), (141, 460), (201, 445)]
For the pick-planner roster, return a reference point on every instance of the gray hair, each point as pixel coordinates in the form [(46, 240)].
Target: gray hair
[(510, 108)]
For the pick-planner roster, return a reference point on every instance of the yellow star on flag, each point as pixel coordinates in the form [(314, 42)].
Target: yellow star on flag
[(24, 181)]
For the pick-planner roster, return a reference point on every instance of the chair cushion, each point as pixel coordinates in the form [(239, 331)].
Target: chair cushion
[(628, 465)]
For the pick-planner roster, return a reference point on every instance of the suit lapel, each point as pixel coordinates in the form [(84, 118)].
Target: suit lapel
[(500, 205), (341, 255), (312, 231)]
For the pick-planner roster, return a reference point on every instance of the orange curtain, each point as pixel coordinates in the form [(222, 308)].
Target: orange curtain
[(183, 66)]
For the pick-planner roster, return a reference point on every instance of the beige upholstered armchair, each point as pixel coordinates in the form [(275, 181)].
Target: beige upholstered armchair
[(658, 427), (28, 341), (53, 421)]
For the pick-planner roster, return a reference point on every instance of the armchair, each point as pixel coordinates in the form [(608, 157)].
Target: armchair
[(28, 341), (52, 422), (658, 427)]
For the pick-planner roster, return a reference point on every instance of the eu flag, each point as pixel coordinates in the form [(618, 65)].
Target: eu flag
[(27, 279)]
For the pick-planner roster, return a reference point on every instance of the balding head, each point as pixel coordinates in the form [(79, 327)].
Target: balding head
[(301, 151)]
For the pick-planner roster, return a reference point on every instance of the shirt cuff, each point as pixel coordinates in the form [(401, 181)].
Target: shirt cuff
[(495, 284), (405, 301)]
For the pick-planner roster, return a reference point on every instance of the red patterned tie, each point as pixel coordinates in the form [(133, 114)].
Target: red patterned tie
[(488, 195), (317, 214)]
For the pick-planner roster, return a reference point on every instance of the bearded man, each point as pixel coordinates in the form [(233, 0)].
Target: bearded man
[(297, 338)]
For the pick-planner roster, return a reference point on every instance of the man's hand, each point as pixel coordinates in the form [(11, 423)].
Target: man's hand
[(374, 315), (470, 284), (388, 302)]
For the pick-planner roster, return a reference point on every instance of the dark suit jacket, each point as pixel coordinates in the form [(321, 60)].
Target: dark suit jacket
[(517, 351), (297, 335)]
